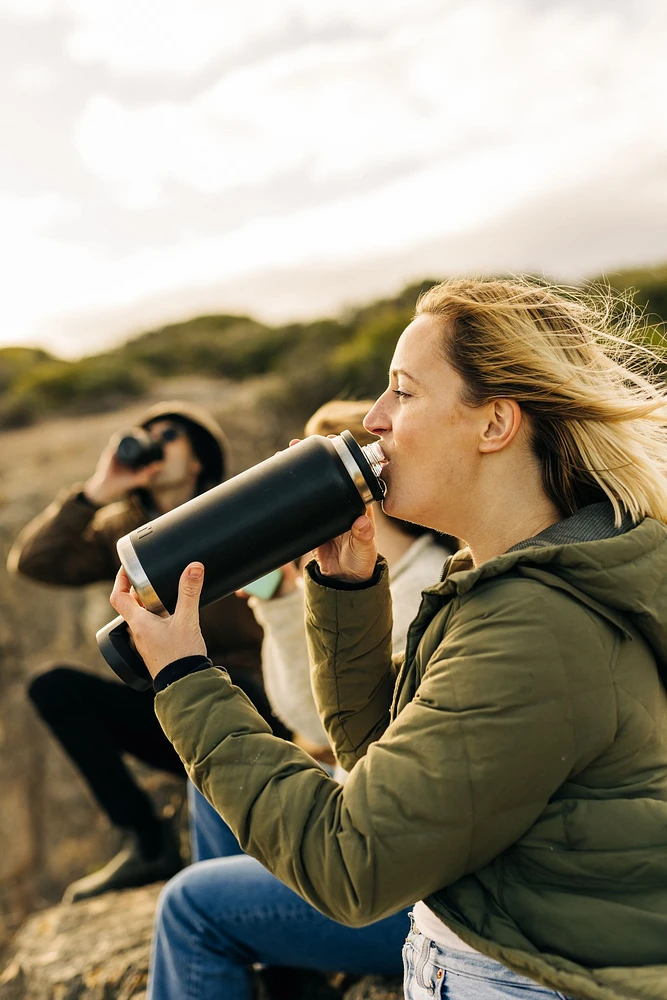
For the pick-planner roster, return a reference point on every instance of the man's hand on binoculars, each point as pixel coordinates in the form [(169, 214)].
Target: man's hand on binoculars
[(111, 480), (160, 641)]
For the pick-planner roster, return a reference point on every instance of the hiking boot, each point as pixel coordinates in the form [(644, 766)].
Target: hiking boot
[(130, 868)]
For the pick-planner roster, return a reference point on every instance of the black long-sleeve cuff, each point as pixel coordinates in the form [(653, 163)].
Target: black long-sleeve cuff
[(180, 668), (335, 584)]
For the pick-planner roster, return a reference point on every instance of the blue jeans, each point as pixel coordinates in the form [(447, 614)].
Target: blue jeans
[(210, 837), (217, 918), (432, 973)]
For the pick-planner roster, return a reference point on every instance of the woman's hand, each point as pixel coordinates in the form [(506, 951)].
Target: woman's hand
[(159, 641), (350, 557)]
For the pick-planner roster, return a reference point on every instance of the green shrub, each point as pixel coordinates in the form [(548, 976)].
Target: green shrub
[(15, 361), (85, 386), (363, 362), (233, 347), (648, 287), (308, 363)]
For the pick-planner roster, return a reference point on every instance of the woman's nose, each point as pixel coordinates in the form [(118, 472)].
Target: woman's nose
[(376, 420)]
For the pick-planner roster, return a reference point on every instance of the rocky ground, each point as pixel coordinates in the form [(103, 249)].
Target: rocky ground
[(94, 949), (99, 950)]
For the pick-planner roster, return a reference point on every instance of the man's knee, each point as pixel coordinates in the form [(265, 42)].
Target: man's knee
[(53, 690), (183, 901)]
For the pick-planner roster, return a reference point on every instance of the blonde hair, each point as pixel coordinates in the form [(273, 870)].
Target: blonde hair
[(576, 364), (342, 414)]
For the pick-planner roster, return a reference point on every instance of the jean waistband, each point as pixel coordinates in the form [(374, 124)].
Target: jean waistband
[(474, 964)]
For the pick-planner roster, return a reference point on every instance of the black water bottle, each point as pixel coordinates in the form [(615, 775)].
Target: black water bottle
[(244, 528)]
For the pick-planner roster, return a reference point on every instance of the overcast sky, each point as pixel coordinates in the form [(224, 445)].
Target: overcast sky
[(162, 158)]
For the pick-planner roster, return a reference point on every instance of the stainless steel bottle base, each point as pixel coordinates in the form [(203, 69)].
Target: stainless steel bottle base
[(138, 578)]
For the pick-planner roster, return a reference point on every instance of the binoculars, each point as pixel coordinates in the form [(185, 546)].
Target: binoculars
[(136, 449)]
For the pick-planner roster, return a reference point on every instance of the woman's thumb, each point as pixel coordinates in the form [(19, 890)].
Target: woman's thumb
[(189, 589), (363, 529)]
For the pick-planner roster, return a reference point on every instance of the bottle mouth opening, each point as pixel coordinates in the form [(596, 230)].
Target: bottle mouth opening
[(375, 457)]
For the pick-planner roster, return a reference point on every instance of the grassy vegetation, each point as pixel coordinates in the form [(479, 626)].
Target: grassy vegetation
[(346, 356)]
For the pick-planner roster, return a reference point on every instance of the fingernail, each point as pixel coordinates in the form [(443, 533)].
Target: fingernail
[(196, 572)]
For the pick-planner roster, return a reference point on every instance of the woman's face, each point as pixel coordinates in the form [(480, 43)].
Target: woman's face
[(430, 437)]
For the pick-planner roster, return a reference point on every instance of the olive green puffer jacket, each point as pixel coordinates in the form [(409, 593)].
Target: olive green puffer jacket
[(513, 773)]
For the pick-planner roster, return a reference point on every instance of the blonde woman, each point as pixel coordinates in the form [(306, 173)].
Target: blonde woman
[(511, 779)]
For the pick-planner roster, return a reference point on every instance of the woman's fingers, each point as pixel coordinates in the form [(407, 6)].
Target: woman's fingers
[(161, 640), (122, 597)]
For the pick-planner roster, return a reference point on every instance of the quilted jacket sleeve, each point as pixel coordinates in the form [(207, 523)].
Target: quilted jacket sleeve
[(352, 673)]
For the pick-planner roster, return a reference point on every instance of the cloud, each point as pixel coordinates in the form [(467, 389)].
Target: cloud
[(33, 78), (39, 274), (473, 76), (28, 10), (186, 36), (22, 218), (545, 236), (183, 37)]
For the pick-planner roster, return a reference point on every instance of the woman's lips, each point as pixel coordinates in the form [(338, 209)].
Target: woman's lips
[(375, 456), (383, 458)]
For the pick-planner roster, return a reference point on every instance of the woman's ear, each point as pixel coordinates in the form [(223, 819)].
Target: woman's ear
[(502, 422)]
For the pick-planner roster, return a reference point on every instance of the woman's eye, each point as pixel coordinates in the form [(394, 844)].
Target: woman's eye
[(399, 393)]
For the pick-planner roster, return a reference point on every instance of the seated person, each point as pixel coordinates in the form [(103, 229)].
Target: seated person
[(73, 543), (242, 911)]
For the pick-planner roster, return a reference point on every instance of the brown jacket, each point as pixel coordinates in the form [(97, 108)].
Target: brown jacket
[(73, 543)]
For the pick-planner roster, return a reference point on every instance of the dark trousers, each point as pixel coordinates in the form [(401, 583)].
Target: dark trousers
[(96, 721)]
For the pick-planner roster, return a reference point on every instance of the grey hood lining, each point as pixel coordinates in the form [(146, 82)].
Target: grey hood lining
[(589, 524)]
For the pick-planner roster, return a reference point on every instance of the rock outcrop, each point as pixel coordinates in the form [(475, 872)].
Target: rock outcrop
[(99, 950), (376, 988), (94, 950)]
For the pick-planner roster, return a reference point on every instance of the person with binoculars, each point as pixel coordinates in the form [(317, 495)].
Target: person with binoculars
[(508, 780), (177, 451)]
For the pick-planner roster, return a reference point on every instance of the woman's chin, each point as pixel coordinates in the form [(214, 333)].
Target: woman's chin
[(402, 511), (392, 508), (395, 502)]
